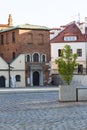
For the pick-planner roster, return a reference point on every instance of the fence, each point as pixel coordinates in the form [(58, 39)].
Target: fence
[(76, 72)]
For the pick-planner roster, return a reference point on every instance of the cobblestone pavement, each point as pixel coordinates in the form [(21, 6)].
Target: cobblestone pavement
[(40, 111)]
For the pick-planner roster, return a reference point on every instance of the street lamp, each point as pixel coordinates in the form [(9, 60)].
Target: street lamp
[(9, 69)]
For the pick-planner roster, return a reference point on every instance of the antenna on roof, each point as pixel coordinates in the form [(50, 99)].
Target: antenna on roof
[(78, 18)]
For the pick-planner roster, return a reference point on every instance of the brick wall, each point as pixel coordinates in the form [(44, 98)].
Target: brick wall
[(26, 41)]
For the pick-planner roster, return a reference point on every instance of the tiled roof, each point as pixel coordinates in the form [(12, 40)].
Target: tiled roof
[(26, 26), (70, 30), (4, 25)]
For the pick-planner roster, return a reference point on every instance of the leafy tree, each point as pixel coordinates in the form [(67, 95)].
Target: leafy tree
[(67, 64)]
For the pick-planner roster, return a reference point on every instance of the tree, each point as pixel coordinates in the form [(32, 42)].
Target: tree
[(67, 64)]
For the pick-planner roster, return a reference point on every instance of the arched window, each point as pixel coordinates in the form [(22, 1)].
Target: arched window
[(28, 58), (36, 57), (43, 58), (18, 78)]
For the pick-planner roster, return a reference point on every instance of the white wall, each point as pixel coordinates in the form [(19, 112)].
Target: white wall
[(80, 80), (4, 70), (3, 64), (22, 81), (74, 46), (19, 62), (18, 68)]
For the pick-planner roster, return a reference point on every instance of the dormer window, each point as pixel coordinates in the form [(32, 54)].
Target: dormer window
[(70, 38)]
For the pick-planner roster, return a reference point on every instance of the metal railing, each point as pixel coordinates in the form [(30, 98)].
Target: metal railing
[(76, 72)]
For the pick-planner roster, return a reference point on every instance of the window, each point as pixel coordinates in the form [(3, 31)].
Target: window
[(59, 52), (2, 39), (7, 40), (28, 58), (80, 69), (79, 52), (36, 57), (13, 55), (18, 78), (43, 58), (41, 39), (13, 36), (70, 38), (71, 51), (30, 36)]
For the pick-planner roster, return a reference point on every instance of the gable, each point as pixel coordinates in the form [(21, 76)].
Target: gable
[(70, 31), (19, 63), (3, 64)]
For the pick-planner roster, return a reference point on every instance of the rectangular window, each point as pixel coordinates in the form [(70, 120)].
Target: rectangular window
[(18, 78), (13, 36), (7, 40), (59, 52), (79, 52), (70, 38), (2, 39), (41, 39), (30, 37)]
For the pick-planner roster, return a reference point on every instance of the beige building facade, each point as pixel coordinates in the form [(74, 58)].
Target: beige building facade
[(13, 74)]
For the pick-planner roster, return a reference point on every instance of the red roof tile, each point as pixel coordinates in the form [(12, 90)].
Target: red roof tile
[(69, 30)]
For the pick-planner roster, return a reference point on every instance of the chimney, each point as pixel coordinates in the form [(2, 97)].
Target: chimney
[(10, 20), (86, 19)]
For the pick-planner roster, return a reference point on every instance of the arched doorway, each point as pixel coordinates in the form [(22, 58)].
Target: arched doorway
[(2, 81), (36, 78)]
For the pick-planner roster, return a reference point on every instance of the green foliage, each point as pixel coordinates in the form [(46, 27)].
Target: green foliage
[(67, 64)]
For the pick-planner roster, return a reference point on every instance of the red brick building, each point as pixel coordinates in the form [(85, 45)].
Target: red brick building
[(34, 42)]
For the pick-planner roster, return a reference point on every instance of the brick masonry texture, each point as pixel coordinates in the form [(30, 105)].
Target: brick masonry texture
[(26, 41)]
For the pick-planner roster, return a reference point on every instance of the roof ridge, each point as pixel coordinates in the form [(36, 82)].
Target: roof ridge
[(26, 26)]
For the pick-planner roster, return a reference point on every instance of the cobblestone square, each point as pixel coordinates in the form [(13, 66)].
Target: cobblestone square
[(40, 111)]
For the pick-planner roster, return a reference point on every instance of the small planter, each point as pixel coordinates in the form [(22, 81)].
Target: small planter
[(67, 93)]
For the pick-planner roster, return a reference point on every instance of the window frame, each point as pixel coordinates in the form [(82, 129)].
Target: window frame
[(35, 58), (18, 78), (13, 37), (79, 52), (44, 57), (59, 52), (2, 39), (70, 38), (28, 57)]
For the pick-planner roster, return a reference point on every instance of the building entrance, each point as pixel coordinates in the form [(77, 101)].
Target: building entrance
[(36, 78), (2, 81)]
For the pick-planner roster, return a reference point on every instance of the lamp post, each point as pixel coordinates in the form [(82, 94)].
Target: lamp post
[(9, 70)]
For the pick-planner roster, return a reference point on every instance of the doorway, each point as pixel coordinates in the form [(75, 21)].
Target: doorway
[(2, 81), (36, 78)]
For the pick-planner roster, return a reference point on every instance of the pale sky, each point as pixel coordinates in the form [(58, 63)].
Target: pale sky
[(50, 13)]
